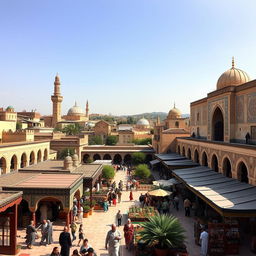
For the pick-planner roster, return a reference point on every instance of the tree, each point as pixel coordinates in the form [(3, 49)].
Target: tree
[(64, 152), (131, 120), (138, 158), (111, 140), (108, 172), (72, 129), (142, 171), (18, 126), (145, 141), (95, 140)]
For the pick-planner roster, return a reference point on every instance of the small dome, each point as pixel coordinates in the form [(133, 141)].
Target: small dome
[(233, 76), (68, 159), (75, 157), (143, 122), (10, 108), (75, 110), (174, 113)]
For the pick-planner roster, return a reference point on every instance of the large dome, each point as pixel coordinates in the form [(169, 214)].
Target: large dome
[(143, 122), (75, 110), (233, 76), (174, 113)]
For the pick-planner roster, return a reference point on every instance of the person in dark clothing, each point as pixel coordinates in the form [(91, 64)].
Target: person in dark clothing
[(65, 242), (247, 138)]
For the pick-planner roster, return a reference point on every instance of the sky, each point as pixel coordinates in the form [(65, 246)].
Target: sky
[(124, 56)]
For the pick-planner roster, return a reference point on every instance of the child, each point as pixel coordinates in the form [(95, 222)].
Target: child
[(81, 234), (119, 218)]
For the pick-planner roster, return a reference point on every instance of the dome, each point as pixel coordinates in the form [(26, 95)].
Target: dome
[(233, 76), (75, 157), (75, 110), (68, 159), (174, 113), (10, 108), (143, 122)]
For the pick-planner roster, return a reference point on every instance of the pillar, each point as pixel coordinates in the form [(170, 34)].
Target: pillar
[(68, 219), (33, 217), (91, 195)]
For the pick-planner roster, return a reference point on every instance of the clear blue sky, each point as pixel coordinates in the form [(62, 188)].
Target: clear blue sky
[(124, 56)]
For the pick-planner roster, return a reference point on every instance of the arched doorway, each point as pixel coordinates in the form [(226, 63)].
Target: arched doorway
[(128, 159), (96, 157), (148, 158), (32, 158), (23, 160), (117, 159), (39, 156), (189, 154), (183, 151), (14, 163), (107, 157), (48, 208), (204, 159), (217, 125), (178, 150), (3, 165), (242, 172), (196, 156), (215, 164), (45, 154), (86, 158), (226, 166), (24, 214)]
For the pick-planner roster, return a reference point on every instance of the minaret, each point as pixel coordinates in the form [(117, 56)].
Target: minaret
[(87, 109), (56, 102)]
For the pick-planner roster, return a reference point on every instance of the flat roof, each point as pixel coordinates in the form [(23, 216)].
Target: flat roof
[(228, 196), (48, 165), (21, 143), (170, 157), (180, 162), (89, 171)]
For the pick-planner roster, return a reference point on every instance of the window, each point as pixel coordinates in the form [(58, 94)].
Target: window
[(177, 124), (4, 231), (197, 117)]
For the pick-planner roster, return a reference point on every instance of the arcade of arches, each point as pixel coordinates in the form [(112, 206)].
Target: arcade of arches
[(117, 158), (13, 158), (224, 160)]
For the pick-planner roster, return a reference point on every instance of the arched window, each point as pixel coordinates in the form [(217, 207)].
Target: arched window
[(226, 166), (14, 163), (177, 125), (189, 153), (3, 165), (242, 173), (196, 156), (217, 125), (204, 159), (215, 164)]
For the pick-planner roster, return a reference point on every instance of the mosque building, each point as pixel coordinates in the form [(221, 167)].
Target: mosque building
[(223, 127), (75, 114)]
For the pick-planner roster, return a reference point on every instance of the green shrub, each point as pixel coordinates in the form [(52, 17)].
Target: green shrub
[(142, 171), (108, 172), (138, 158), (111, 140), (64, 152), (87, 208)]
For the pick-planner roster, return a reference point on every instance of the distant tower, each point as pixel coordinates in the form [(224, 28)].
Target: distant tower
[(56, 102), (87, 109)]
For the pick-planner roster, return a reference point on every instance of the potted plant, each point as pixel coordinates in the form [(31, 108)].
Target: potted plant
[(86, 211), (163, 232)]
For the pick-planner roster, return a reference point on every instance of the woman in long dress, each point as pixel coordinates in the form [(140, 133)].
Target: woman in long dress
[(128, 234)]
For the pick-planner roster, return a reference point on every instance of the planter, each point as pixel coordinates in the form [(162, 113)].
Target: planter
[(98, 207), (90, 212), (86, 214), (162, 252)]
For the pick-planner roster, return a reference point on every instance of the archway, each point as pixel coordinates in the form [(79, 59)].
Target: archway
[(204, 159), (24, 214), (226, 166), (23, 160), (215, 164), (96, 157), (86, 158), (3, 165), (45, 154), (242, 172), (178, 150), (189, 153), (183, 152), (148, 158), (117, 159), (107, 157), (217, 125), (196, 156), (32, 158), (14, 163), (128, 159), (39, 156), (48, 208)]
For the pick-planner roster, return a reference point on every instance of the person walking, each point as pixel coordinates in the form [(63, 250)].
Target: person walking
[(105, 205), (49, 239), (30, 235), (114, 198), (131, 196), (65, 242), (187, 205), (74, 211), (73, 227), (44, 231), (112, 243), (80, 214), (119, 195), (204, 242), (119, 218), (128, 234), (80, 234)]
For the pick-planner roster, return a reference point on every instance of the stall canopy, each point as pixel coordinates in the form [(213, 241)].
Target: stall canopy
[(166, 183), (227, 196), (154, 162), (169, 157), (181, 162)]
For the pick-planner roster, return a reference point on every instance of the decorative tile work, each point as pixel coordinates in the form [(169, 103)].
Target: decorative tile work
[(251, 110), (240, 109)]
